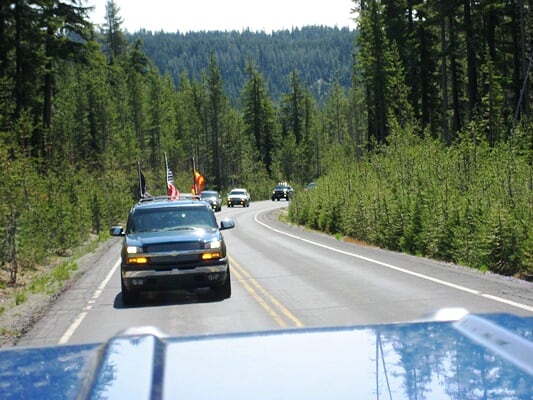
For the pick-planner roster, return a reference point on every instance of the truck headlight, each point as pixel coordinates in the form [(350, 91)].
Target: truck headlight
[(134, 250), (214, 244)]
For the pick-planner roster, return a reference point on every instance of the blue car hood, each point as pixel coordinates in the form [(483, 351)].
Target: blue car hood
[(181, 235), (470, 358)]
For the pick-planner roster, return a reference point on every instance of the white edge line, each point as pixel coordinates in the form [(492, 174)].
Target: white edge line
[(405, 271), (81, 316)]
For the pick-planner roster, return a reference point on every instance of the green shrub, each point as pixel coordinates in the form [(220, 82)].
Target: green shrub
[(468, 203), (20, 298)]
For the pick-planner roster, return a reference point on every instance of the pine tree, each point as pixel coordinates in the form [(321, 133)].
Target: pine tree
[(293, 109), (137, 96), (258, 116), (216, 108), (115, 42), (62, 22), (373, 58)]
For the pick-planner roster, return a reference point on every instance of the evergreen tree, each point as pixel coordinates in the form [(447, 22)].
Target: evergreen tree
[(373, 58), (191, 127), (137, 97), (115, 42), (400, 110), (293, 109), (258, 116), (62, 22), (335, 112), (357, 113), (38, 34), (215, 110), (471, 59)]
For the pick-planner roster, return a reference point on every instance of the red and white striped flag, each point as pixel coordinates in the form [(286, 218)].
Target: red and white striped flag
[(172, 192)]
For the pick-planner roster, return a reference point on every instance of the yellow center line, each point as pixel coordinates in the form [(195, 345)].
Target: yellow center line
[(244, 277), (258, 298)]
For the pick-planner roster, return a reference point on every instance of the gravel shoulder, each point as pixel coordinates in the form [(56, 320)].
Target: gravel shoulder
[(16, 320)]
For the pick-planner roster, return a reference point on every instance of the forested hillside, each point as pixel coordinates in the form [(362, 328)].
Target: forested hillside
[(428, 149), (322, 55)]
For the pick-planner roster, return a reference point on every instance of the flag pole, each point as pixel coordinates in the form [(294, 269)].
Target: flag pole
[(166, 169), (140, 179), (194, 177)]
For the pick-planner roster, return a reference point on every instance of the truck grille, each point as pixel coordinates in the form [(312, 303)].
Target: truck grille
[(169, 247)]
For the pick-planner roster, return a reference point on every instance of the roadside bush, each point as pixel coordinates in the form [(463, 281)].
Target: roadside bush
[(49, 213), (469, 203)]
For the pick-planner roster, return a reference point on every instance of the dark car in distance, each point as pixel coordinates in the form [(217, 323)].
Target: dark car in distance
[(173, 244), (213, 198), (282, 191)]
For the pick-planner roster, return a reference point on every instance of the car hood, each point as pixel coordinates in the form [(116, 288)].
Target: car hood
[(180, 235), (470, 358)]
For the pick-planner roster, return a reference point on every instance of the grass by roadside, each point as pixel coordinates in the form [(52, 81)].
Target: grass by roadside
[(22, 304)]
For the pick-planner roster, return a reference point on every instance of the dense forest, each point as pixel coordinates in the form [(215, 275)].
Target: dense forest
[(321, 55), (427, 150)]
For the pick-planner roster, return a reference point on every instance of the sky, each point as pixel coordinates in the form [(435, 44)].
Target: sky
[(226, 15)]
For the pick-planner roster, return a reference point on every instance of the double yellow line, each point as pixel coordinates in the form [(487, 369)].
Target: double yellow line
[(277, 311)]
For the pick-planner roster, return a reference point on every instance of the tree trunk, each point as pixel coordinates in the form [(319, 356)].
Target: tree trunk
[(472, 92), (456, 119), (444, 77)]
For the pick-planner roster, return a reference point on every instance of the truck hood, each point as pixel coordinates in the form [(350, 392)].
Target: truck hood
[(469, 358), (180, 235)]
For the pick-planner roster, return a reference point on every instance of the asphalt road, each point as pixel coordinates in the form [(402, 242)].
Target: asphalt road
[(283, 276)]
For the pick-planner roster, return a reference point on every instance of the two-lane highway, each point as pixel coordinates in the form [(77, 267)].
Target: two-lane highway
[(283, 276), (324, 281)]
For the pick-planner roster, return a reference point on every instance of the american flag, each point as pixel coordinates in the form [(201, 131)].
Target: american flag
[(172, 192)]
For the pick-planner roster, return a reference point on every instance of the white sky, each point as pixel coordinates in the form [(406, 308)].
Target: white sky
[(226, 15)]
